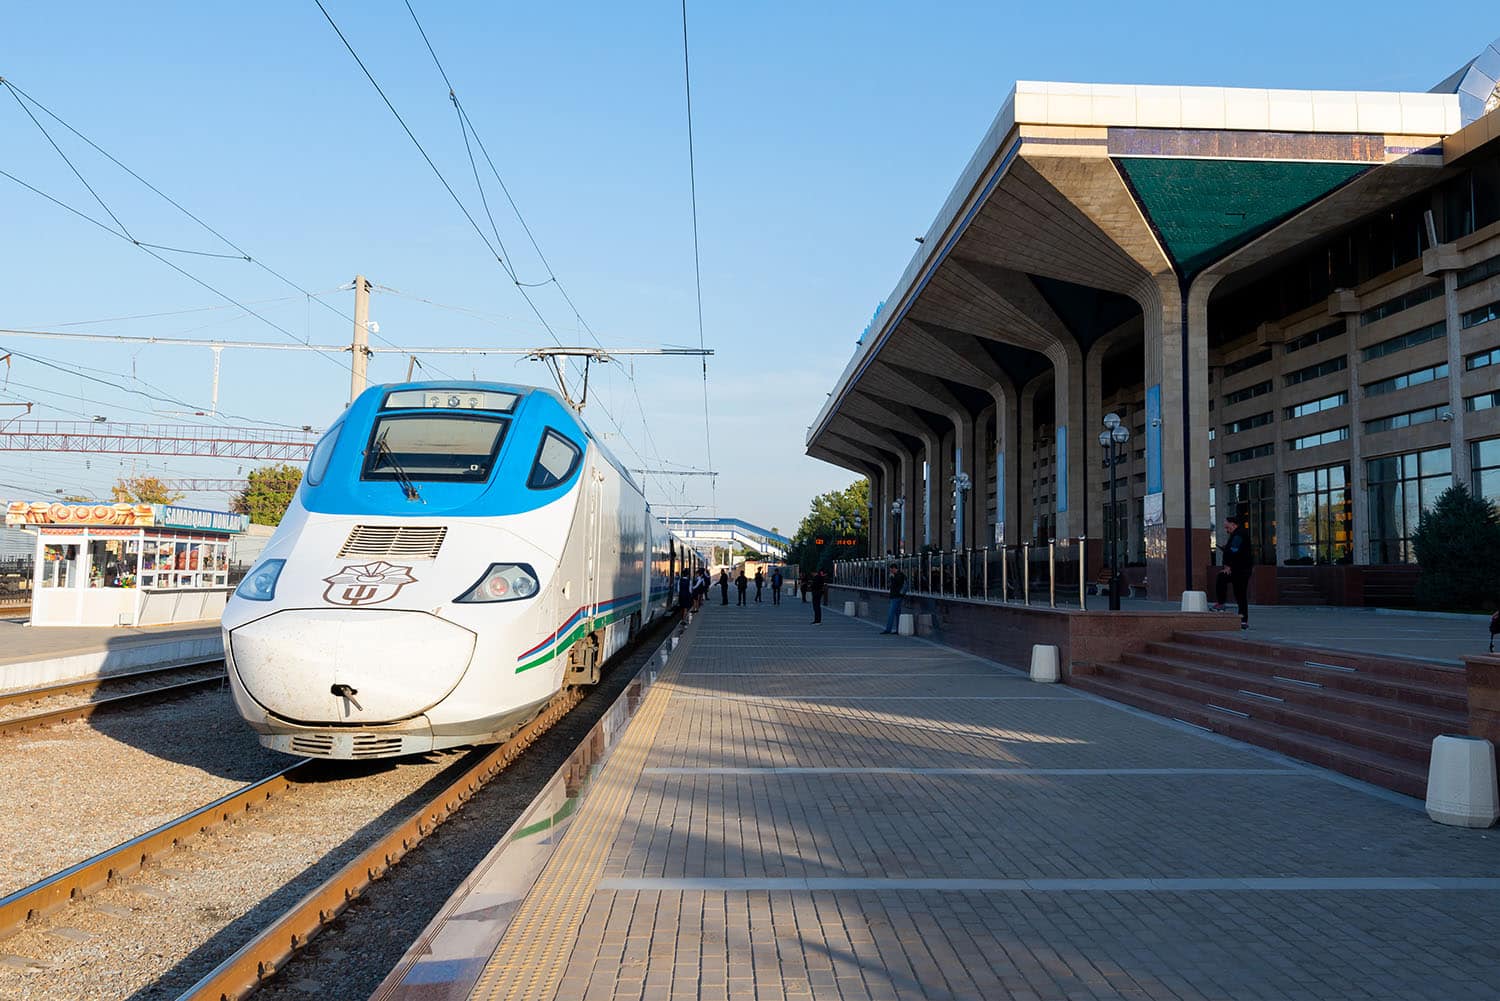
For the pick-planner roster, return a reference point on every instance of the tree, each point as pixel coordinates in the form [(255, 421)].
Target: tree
[(832, 515), (143, 490), (77, 499), (268, 491), (1457, 544)]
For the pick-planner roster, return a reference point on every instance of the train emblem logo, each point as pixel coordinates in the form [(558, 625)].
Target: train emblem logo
[(367, 584)]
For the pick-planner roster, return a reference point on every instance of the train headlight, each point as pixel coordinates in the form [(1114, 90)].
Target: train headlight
[(260, 584), (503, 582)]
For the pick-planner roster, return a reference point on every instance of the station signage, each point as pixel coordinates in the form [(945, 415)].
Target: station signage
[(835, 542), (199, 519)]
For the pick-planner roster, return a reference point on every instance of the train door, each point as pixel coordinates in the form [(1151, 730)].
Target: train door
[(586, 655), (593, 571)]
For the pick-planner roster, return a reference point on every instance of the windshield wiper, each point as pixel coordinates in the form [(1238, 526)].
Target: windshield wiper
[(407, 486)]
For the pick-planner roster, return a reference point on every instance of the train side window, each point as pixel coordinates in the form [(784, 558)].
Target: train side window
[(322, 452), (556, 458)]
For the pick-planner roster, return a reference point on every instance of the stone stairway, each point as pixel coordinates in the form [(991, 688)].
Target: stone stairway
[(1367, 716)]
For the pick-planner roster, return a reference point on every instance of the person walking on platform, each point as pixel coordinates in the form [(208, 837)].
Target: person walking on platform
[(1238, 563), (818, 586), (724, 586), (740, 583), (760, 582), (685, 595), (897, 589), (776, 582)]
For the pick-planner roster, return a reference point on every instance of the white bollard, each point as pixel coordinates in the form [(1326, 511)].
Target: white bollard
[(924, 624), (864, 609), (850, 608), (1195, 601), (1043, 663), (906, 624), (674, 642), (1461, 790)]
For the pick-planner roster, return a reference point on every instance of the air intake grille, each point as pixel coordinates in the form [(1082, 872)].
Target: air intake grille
[(320, 744), (371, 746), (394, 540)]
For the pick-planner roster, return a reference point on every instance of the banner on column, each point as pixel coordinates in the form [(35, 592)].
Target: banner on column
[(1152, 510), (999, 497), (1061, 466)]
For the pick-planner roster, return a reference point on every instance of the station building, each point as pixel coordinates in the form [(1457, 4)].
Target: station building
[(1288, 297)]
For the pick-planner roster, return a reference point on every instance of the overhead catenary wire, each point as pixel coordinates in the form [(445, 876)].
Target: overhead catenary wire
[(687, 80), (504, 264)]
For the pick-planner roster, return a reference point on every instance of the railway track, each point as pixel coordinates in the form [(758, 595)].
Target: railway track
[(115, 703), (281, 937)]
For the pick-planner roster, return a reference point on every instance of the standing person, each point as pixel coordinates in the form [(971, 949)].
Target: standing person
[(740, 583), (685, 595), (724, 586), (776, 582), (897, 589), (1238, 563), (817, 585), (700, 588), (760, 582), (803, 582)]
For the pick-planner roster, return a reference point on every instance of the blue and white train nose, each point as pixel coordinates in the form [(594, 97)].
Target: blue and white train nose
[(328, 666)]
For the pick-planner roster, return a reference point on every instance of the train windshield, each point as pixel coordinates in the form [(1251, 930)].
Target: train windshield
[(433, 447)]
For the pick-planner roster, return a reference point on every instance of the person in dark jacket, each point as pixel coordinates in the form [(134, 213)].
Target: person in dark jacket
[(818, 586), (776, 581), (740, 583), (895, 592), (685, 594), (760, 582), (724, 586), (1238, 562)]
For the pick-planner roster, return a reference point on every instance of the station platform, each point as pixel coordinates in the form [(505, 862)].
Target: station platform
[(802, 811), (33, 657)]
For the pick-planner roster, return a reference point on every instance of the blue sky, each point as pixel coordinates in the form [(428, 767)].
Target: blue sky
[(827, 137)]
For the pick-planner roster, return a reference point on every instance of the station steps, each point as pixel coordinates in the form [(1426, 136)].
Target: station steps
[(1368, 716)]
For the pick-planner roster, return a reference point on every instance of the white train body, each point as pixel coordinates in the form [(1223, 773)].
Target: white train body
[(458, 553)]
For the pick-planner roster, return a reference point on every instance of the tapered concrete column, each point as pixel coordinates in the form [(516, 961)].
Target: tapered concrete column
[(1026, 513), (961, 521), (1007, 449), (980, 534), (1068, 428), (931, 490), (911, 490), (1177, 420), (881, 527), (942, 497)]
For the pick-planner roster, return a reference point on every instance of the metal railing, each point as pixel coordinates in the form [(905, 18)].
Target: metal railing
[(1051, 574)]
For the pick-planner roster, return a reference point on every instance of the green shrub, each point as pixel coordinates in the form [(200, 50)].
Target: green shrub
[(1457, 545)]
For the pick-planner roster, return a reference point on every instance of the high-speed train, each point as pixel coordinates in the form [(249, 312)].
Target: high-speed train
[(456, 555)]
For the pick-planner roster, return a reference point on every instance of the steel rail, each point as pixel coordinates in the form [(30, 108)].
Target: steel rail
[(49, 894), (114, 703), (87, 685), (257, 960)]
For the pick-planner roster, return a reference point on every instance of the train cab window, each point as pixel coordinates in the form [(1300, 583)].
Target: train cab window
[(322, 452), (419, 446), (556, 459)]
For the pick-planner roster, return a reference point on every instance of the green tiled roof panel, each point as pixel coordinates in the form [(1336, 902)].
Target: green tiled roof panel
[(1205, 209)]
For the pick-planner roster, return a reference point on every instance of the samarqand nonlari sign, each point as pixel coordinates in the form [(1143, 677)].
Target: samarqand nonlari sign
[(124, 515)]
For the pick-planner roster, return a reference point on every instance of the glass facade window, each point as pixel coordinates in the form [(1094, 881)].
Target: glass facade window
[(1484, 401), (1478, 272), (1484, 458), (1307, 340), (1484, 314), (1322, 529), (1401, 303), (1246, 423), (1483, 359), (1431, 332), (1255, 452), (1255, 503), (1323, 368), (1400, 488), (1321, 438), (1317, 406), (1407, 379), (1248, 393), (1247, 363), (1409, 419)]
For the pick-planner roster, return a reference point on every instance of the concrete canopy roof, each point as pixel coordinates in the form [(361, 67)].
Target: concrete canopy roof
[(1073, 193)]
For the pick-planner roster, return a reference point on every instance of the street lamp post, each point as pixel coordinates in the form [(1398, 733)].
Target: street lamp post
[(961, 485), (898, 511), (1112, 439)]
